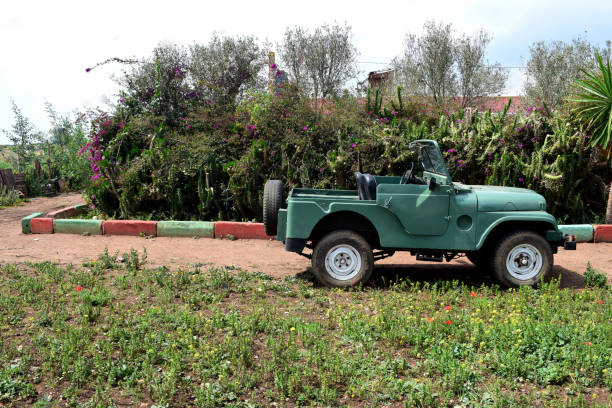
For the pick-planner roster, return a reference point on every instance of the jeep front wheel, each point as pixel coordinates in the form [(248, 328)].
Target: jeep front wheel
[(342, 259), (522, 258)]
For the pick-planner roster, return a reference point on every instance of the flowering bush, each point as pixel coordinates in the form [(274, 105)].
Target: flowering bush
[(212, 161)]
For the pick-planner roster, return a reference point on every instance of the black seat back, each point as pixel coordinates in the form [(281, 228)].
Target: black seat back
[(360, 185), (370, 186)]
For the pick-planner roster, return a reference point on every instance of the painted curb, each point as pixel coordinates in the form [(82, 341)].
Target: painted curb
[(603, 233), (240, 230), (41, 225), (129, 227), (68, 212), (25, 222), (583, 232), (68, 226), (201, 229)]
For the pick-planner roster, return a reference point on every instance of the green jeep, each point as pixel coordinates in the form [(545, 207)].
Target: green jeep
[(504, 229)]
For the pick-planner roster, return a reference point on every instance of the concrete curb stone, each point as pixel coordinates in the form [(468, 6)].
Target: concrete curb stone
[(603, 233), (71, 226), (201, 229), (25, 222), (240, 230), (583, 232), (129, 227), (41, 225)]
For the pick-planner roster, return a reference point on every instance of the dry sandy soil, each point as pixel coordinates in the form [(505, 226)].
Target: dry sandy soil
[(266, 256)]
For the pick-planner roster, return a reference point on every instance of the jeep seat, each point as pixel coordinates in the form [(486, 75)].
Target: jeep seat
[(370, 186), (366, 185)]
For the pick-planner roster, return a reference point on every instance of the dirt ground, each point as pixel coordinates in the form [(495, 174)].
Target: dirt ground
[(266, 256)]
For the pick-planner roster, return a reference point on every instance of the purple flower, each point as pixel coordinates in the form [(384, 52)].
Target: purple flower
[(250, 127), (304, 128), (87, 69), (451, 150), (520, 179), (458, 120), (501, 140), (353, 145), (520, 145), (188, 126), (122, 100), (121, 125), (273, 66)]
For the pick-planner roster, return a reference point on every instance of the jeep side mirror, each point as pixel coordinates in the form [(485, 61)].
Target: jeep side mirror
[(432, 183)]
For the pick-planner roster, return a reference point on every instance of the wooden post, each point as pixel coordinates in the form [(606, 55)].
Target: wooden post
[(271, 71)]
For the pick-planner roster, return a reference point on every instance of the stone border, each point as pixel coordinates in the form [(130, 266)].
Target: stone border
[(55, 222)]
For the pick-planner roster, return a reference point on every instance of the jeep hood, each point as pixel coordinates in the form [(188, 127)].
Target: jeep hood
[(496, 198)]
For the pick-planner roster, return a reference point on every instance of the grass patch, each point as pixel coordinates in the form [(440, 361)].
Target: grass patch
[(210, 337)]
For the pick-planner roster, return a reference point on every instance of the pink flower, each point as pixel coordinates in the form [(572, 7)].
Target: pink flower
[(353, 145), (304, 128)]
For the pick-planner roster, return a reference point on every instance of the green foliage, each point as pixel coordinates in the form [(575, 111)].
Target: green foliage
[(593, 278), (594, 98), (221, 336), (8, 198)]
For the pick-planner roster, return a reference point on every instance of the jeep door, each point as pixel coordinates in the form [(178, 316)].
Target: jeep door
[(420, 210)]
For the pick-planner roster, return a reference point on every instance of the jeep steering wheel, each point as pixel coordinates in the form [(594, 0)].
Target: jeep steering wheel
[(407, 174)]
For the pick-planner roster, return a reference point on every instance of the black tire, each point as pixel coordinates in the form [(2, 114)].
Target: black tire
[(272, 202), (527, 247), (349, 247)]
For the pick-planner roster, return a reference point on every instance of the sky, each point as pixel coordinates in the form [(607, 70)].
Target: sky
[(45, 46)]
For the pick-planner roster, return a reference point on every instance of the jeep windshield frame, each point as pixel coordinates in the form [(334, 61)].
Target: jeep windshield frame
[(430, 157)]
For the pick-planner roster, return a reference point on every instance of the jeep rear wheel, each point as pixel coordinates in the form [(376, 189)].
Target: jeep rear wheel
[(272, 202), (342, 259), (522, 258)]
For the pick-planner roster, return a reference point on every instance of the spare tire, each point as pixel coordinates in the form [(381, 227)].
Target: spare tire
[(272, 202)]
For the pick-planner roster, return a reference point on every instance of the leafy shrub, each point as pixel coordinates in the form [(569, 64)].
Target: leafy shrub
[(8, 198), (593, 278)]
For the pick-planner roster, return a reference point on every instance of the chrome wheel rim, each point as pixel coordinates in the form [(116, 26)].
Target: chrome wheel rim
[(343, 262), (524, 262)]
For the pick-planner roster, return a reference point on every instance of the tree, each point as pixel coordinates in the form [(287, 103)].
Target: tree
[(552, 68), (293, 54), (320, 62), (476, 78), (22, 136), (594, 99), (441, 65), (227, 67)]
